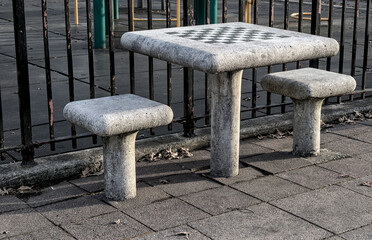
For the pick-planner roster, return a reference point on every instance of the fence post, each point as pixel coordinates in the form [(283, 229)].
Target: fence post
[(315, 24), (99, 24), (23, 81)]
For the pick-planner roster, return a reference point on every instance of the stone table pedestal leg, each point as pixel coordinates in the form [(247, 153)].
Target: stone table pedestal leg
[(225, 125), (306, 126), (120, 166)]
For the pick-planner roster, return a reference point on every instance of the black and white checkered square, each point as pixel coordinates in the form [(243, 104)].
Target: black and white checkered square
[(226, 35)]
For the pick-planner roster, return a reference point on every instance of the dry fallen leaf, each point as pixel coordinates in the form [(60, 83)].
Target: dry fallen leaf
[(164, 181), (117, 222), (25, 189), (3, 191), (367, 184), (344, 176), (186, 234)]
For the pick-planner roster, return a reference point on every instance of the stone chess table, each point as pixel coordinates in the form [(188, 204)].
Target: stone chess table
[(224, 50)]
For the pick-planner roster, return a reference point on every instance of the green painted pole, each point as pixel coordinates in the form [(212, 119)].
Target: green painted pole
[(199, 8), (213, 11), (99, 24), (116, 9)]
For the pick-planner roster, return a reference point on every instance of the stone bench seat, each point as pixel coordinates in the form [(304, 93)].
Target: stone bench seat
[(117, 119), (307, 88)]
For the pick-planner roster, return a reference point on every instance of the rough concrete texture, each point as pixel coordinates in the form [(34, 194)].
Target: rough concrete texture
[(69, 165), (114, 115), (177, 46), (225, 125), (308, 83)]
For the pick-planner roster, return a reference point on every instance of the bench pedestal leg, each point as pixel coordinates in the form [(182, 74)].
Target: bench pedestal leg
[(306, 127), (225, 125), (120, 166)]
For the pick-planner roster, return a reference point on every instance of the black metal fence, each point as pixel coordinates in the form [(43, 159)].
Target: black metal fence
[(66, 64)]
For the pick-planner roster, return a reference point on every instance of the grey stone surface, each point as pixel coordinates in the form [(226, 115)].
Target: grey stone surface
[(166, 214), (11, 203), (199, 161), (349, 146), (22, 221), (276, 162), (308, 83), (145, 195), (90, 184), (358, 166), (109, 226), (326, 156), (151, 170), (360, 233), (182, 184), (334, 208), (57, 193), (181, 233), (248, 149), (74, 210), (357, 185), (269, 188), (245, 174), (109, 116), (313, 177), (284, 46), (225, 125), (258, 222), (219, 200), (51, 233), (284, 144)]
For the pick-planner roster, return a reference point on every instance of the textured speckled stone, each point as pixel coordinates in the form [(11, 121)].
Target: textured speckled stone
[(284, 46)]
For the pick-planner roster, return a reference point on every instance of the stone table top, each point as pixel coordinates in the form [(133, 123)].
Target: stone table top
[(228, 46)]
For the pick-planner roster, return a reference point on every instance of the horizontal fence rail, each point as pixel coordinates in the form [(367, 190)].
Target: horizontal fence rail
[(51, 60)]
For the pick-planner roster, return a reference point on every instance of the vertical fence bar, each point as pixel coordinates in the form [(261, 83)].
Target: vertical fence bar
[(300, 22), (315, 25), (208, 11), (151, 60), (23, 81), (254, 70), (47, 73), (188, 87), (207, 106), (131, 54), (342, 42), (109, 3), (269, 68), (355, 42), (286, 24), (224, 11), (92, 94), (2, 140), (366, 42), (169, 65), (241, 11), (330, 29), (70, 65)]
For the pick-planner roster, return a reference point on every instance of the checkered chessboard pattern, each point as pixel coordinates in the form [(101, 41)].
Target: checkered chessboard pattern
[(226, 35)]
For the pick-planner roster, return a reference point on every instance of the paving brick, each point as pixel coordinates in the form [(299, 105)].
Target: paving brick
[(360, 233), (326, 136), (219, 200), (108, 226), (11, 203), (55, 193), (90, 184), (334, 208), (52, 233), (313, 177), (269, 188), (146, 194), (249, 148), (182, 184), (177, 233), (357, 167), (150, 170), (199, 160), (366, 136), (258, 222), (326, 156), (74, 210), (357, 185), (276, 162), (282, 144), (350, 130), (21, 222), (166, 214), (349, 146), (245, 174), (335, 237)]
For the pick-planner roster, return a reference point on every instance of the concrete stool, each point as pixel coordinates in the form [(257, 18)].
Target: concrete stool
[(117, 120), (307, 88)]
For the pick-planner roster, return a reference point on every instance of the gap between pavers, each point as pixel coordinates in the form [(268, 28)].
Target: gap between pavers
[(70, 165)]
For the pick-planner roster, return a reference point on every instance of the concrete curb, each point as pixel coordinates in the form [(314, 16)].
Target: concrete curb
[(60, 167)]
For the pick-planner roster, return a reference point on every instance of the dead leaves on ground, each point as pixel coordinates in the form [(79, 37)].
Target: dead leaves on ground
[(367, 184), (168, 154)]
